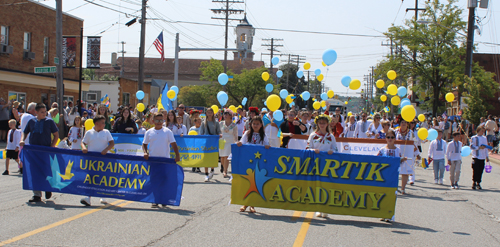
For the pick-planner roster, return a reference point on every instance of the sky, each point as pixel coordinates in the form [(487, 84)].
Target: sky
[(355, 53)]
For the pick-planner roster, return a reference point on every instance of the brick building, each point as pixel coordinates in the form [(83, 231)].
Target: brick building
[(27, 40)]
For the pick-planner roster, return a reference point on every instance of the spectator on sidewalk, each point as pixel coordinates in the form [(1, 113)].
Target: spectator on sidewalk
[(491, 127)]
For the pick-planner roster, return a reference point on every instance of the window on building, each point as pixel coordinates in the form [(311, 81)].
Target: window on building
[(91, 97), (4, 35), (46, 50), (68, 98), (19, 97), (125, 99), (27, 41)]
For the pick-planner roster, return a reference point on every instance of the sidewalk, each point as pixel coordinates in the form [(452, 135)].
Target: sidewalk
[(495, 158)]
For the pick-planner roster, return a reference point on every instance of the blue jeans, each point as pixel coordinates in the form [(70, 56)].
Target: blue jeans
[(438, 169)]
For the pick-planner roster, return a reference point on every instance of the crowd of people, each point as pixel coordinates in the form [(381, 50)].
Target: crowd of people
[(40, 125)]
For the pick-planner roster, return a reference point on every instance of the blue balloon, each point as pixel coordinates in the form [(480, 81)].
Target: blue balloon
[(329, 57), (275, 60), (279, 73), (292, 104), (278, 115), (139, 95), (324, 96), (346, 80), (433, 134), (222, 98), (401, 91), (269, 87), (283, 93), (300, 74), (306, 95), (176, 89), (317, 72), (244, 101), (466, 151), (223, 79), (405, 103), (265, 103)]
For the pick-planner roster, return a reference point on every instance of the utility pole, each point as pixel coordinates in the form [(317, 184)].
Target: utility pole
[(59, 70), (416, 9), (122, 72), (390, 45), (141, 48), (470, 37), (176, 65), (227, 11), (81, 71), (272, 49)]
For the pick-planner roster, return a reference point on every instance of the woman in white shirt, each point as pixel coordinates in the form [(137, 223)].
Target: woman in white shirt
[(349, 131), (375, 127)]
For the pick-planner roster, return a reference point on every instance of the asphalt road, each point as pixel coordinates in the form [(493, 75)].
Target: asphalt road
[(431, 215)]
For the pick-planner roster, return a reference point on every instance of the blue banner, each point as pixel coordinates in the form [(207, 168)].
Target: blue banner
[(195, 150), (156, 180), (347, 184)]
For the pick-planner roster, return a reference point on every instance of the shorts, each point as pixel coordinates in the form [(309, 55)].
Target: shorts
[(490, 138), (12, 154), (4, 125)]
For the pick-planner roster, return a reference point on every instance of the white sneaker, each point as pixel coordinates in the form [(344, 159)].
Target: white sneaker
[(211, 175), (231, 178), (325, 215), (318, 214), (103, 201), (85, 201), (441, 181), (436, 181), (207, 178)]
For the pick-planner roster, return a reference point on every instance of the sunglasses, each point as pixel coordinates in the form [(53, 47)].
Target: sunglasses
[(181, 107), (158, 120), (377, 118), (390, 137)]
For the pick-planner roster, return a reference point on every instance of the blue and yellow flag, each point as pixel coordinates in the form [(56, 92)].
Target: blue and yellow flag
[(163, 101), (345, 184)]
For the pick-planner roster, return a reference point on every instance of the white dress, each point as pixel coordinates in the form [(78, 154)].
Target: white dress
[(349, 132), (407, 167), (323, 143), (300, 144), (374, 130), (230, 135), (75, 133)]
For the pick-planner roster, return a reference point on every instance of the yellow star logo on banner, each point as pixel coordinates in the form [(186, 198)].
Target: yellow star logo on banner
[(257, 155)]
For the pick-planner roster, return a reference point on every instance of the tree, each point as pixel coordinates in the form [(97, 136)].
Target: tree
[(193, 96), (90, 75), (477, 90)]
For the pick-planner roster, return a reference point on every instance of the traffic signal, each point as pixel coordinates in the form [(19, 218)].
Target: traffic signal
[(128, 24)]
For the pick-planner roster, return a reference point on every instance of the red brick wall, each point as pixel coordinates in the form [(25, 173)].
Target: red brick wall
[(32, 94), (40, 21), (131, 87)]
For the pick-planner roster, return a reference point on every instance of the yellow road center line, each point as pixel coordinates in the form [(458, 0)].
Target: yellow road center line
[(299, 241), (45, 228), (296, 215)]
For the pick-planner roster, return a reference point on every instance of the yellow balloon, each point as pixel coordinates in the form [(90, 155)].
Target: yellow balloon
[(289, 99), (395, 100), (383, 98), (330, 93), (346, 102), (355, 84), (380, 83), (349, 114), (140, 107), (421, 118), (232, 108), (450, 97), (273, 102), (323, 103), (392, 89), (391, 74), (323, 63), (316, 105), (215, 108), (422, 133), (89, 124), (307, 66), (320, 77), (408, 113), (193, 133), (171, 94), (265, 76)]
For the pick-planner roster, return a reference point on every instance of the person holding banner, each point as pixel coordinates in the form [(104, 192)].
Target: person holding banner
[(125, 124), (407, 168), (375, 127), (229, 132), (99, 140), (159, 139), (255, 136), (272, 131), (305, 129), (361, 127), (291, 126), (40, 130), (437, 151), (322, 140), (75, 135), (210, 127)]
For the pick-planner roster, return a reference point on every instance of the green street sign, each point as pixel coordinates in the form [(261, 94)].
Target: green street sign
[(51, 69), (56, 60)]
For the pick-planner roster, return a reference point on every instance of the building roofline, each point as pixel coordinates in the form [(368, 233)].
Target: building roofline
[(48, 7)]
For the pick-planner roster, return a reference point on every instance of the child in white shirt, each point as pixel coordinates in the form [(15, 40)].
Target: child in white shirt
[(140, 130), (454, 157), (437, 151), (182, 127), (13, 140), (159, 140), (100, 140), (75, 135)]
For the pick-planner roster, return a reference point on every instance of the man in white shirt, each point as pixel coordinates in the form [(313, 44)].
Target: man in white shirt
[(361, 127), (479, 155), (454, 157), (99, 140), (437, 151)]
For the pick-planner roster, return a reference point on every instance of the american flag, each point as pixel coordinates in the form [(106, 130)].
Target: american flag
[(159, 45)]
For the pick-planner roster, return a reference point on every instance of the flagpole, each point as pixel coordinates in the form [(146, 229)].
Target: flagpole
[(176, 66)]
